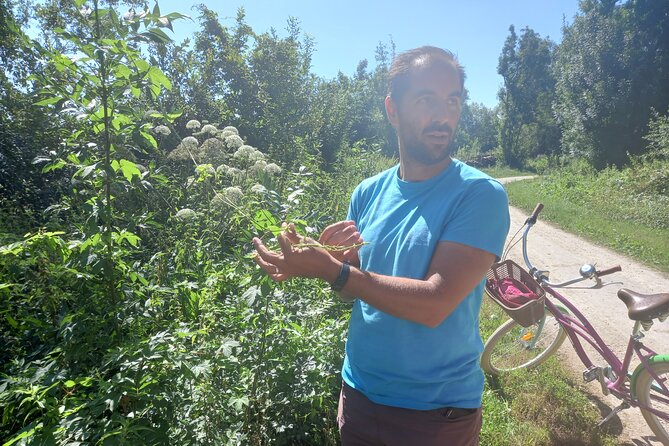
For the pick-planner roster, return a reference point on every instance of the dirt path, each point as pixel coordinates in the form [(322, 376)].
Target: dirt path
[(563, 253)]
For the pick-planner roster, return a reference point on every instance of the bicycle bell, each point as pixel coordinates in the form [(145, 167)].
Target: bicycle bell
[(587, 270)]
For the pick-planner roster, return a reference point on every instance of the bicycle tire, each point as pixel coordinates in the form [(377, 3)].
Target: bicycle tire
[(649, 396), (509, 348)]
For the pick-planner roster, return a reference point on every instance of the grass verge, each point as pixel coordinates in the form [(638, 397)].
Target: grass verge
[(505, 172), (596, 221)]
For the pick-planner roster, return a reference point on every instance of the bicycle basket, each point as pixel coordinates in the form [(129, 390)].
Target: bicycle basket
[(516, 291)]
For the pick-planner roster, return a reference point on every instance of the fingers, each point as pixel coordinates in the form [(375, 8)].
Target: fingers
[(343, 233), (351, 256), (269, 261), (333, 229), (265, 254), (272, 271)]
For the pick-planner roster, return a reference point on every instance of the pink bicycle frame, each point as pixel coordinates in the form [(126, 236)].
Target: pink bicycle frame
[(577, 326)]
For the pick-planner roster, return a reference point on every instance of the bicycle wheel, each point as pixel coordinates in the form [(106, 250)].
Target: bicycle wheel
[(650, 394), (513, 346)]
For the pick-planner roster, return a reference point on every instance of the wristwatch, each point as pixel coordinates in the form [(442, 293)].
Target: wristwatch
[(342, 278)]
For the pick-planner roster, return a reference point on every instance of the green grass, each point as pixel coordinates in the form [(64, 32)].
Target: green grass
[(505, 172), (599, 220)]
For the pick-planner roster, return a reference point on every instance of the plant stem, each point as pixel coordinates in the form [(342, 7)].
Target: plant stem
[(109, 175)]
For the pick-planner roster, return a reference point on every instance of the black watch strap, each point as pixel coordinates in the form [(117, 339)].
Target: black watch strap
[(342, 278)]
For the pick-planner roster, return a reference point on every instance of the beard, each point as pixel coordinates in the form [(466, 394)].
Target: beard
[(420, 151)]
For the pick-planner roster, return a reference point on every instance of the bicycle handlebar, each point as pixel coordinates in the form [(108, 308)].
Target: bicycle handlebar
[(542, 275), (613, 269), (535, 213)]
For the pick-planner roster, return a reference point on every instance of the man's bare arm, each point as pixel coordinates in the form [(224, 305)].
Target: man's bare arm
[(454, 271)]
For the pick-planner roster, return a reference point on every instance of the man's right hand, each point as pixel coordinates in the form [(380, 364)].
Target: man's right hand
[(343, 233)]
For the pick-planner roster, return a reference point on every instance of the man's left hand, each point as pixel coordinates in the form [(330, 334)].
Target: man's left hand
[(299, 257)]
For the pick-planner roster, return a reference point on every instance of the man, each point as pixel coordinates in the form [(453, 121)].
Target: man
[(433, 226)]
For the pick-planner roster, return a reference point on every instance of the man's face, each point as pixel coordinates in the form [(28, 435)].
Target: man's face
[(428, 112)]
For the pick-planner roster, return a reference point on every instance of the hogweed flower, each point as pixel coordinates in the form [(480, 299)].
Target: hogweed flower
[(258, 168), (193, 124), (213, 150), (228, 197), (243, 152), (234, 142), (222, 170), (258, 189), (190, 142), (185, 214), (180, 153), (233, 130), (256, 155), (209, 129), (162, 130), (235, 174), (272, 169)]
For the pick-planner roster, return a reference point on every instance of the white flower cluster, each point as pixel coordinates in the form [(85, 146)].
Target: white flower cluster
[(185, 214), (209, 129), (162, 130), (193, 124), (272, 169), (228, 197), (258, 169), (258, 189), (233, 141), (213, 151)]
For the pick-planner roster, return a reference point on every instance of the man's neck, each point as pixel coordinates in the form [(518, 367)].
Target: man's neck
[(411, 170)]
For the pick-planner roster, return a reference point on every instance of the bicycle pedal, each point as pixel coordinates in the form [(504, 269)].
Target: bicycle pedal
[(592, 374)]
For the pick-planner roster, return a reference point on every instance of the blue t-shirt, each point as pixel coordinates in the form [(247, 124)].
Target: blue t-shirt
[(397, 362)]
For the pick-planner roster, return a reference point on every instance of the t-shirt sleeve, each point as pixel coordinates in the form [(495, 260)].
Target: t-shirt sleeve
[(481, 219)]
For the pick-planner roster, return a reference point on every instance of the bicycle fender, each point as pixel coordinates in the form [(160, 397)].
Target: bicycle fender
[(652, 360)]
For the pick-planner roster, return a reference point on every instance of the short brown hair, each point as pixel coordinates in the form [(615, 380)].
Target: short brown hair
[(400, 69)]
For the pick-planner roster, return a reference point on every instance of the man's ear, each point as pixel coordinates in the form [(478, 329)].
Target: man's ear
[(391, 111)]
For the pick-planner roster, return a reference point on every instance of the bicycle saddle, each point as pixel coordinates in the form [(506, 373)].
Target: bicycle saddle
[(643, 307)]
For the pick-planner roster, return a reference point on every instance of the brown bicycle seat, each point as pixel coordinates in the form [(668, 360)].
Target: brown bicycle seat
[(643, 307)]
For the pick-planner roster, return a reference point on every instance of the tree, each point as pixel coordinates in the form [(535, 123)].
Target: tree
[(612, 69), (527, 126)]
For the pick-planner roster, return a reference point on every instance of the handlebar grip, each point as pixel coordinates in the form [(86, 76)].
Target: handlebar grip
[(611, 270), (535, 213)]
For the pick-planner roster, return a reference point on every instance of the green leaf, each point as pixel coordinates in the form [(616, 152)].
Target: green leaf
[(48, 101), (238, 402), (12, 321), (129, 169), (251, 294), (58, 164), (158, 77), (264, 220), (227, 346), (26, 432), (86, 171)]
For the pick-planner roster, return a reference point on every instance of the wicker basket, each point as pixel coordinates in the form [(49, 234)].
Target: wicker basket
[(527, 313)]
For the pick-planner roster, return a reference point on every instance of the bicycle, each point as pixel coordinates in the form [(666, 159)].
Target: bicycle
[(545, 318)]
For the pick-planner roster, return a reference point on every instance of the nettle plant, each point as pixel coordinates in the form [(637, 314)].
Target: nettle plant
[(101, 83)]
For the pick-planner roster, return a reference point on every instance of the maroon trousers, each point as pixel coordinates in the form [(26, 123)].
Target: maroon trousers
[(364, 423)]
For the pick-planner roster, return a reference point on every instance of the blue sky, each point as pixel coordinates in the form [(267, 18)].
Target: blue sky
[(348, 31)]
